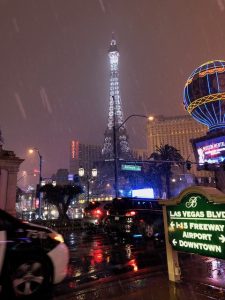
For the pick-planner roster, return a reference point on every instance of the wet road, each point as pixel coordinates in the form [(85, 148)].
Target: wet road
[(99, 257), (104, 266)]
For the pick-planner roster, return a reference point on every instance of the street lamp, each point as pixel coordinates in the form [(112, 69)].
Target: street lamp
[(31, 151), (88, 177), (115, 150)]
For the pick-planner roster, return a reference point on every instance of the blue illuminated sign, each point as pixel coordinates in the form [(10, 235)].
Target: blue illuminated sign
[(70, 177), (146, 193)]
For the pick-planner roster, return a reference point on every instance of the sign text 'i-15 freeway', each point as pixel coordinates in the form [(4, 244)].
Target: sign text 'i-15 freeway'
[(196, 225)]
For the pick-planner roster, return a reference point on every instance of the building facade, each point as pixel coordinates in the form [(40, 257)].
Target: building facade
[(177, 132), (83, 155), (9, 167), (140, 154), (61, 177)]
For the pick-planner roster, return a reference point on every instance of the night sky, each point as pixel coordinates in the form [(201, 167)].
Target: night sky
[(54, 69)]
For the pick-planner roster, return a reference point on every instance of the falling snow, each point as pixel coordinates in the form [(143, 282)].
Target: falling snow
[(101, 2), (221, 4), (45, 100), (15, 25), (54, 66), (20, 105)]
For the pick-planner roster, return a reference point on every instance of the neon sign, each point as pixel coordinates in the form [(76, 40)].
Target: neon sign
[(74, 149), (197, 226)]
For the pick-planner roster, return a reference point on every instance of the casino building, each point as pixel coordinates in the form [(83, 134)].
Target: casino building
[(178, 132), (204, 100), (83, 155)]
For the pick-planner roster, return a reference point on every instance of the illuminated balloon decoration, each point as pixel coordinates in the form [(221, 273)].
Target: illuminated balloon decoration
[(204, 94)]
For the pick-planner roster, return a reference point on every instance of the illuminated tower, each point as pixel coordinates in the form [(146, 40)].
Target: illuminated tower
[(115, 111)]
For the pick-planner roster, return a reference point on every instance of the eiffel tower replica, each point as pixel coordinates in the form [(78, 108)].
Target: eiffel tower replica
[(115, 116), (119, 140)]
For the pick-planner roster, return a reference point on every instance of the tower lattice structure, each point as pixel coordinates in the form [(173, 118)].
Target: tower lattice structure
[(115, 116)]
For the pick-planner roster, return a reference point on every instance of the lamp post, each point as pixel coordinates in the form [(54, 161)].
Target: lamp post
[(115, 150), (40, 175), (88, 177)]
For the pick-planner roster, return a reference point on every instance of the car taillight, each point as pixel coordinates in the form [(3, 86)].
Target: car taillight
[(130, 213), (133, 263), (97, 212)]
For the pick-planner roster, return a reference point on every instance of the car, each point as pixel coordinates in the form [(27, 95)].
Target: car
[(135, 217), (95, 213), (32, 258), (75, 213)]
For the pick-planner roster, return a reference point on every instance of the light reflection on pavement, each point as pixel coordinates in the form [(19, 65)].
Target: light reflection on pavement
[(97, 257), (109, 267), (203, 269)]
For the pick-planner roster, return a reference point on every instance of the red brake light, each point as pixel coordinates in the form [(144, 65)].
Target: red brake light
[(97, 212), (130, 214), (133, 264)]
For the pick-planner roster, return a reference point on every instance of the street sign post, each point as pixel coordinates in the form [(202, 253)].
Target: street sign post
[(194, 222), (130, 168)]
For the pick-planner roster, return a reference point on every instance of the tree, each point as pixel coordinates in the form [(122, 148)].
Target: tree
[(61, 196), (167, 156), (152, 176)]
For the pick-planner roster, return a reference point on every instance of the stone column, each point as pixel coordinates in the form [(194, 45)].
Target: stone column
[(10, 206), (3, 187), (9, 167)]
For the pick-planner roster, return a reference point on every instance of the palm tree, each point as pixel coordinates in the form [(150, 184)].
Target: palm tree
[(167, 156)]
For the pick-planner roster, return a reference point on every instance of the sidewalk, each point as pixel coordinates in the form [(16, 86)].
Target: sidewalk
[(159, 288), (154, 286)]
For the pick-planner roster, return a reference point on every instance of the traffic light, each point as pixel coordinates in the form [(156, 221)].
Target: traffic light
[(188, 165)]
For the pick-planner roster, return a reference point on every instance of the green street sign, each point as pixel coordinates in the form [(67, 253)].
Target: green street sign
[(130, 168), (197, 225)]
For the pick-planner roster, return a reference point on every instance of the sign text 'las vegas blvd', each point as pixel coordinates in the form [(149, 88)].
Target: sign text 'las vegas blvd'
[(197, 226)]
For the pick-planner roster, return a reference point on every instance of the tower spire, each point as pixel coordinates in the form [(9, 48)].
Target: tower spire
[(115, 110)]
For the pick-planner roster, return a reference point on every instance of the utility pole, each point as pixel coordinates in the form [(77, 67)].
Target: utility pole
[(40, 176), (116, 129), (115, 148)]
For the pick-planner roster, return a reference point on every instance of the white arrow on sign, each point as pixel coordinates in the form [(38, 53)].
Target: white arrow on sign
[(174, 242), (222, 238), (172, 225)]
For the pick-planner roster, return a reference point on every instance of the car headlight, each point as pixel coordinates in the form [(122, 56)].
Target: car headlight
[(57, 237)]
